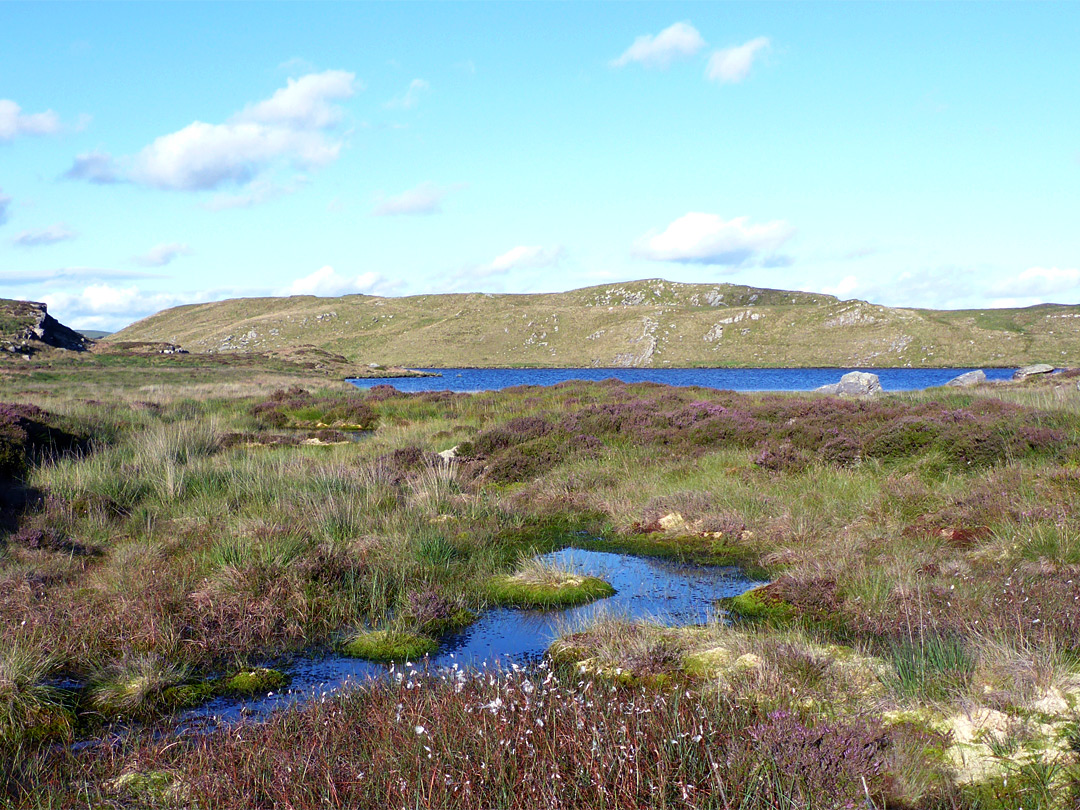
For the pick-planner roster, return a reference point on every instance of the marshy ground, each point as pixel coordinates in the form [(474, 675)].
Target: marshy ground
[(168, 535)]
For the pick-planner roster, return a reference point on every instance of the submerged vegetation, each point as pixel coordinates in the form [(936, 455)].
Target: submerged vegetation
[(164, 543)]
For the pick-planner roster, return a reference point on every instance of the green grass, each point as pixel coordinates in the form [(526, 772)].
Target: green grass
[(537, 584), (389, 645)]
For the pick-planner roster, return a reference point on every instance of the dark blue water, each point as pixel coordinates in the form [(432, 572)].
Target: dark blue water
[(657, 590), (730, 379)]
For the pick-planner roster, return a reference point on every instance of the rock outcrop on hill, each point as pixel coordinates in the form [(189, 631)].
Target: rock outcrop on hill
[(26, 327)]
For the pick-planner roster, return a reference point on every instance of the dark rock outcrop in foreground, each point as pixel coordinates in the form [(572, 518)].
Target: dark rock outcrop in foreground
[(26, 327)]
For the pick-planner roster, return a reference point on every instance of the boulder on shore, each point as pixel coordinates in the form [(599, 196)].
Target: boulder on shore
[(969, 379), (853, 384), (1031, 371)]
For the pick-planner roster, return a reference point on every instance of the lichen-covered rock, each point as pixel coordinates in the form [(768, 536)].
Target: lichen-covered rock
[(853, 384), (968, 379), (1032, 371)]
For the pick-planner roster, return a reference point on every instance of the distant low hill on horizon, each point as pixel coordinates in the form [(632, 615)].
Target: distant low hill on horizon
[(649, 323)]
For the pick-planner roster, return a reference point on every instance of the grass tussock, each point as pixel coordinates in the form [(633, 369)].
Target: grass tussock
[(539, 584)]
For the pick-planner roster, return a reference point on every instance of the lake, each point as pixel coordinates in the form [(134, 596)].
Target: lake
[(730, 379)]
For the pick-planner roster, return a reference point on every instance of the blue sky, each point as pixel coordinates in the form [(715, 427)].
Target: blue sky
[(915, 154)]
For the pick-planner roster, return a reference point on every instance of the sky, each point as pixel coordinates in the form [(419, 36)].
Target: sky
[(909, 154)]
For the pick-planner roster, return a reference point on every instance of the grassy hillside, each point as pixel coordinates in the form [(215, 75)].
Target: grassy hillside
[(641, 323)]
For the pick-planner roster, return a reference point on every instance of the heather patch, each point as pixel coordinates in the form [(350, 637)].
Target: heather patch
[(298, 408)]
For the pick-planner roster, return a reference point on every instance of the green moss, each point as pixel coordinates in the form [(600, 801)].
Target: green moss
[(567, 653), (390, 645), (708, 663), (253, 681), (755, 606), (149, 787), (511, 589), (187, 695)]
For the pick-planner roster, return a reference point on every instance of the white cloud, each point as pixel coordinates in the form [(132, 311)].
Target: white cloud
[(305, 102), (425, 198), (287, 129), (94, 167), (5, 205), (205, 156), (698, 238), (678, 41), (326, 281), (37, 237), (14, 122), (1038, 282), (160, 255), (732, 65), (843, 288), (411, 97), (109, 307), (526, 257)]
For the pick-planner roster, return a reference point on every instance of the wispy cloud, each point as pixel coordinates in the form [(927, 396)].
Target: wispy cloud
[(411, 97), (20, 278), (527, 256), (1039, 283), (36, 237), (519, 258), (256, 192), (699, 238), (160, 255), (732, 65), (14, 122), (5, 207), (424, 199), (326, 281), (679, 41), (94, 167)]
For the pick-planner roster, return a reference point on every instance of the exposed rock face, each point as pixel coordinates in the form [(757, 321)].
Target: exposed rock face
[(854, 384), (38, 329), (969, 379), (1031, 371)]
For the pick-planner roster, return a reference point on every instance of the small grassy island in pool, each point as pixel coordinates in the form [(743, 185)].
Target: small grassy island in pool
[(390, 645), (540, 585)]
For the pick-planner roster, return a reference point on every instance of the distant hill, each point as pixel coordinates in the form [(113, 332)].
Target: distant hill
[(93, 334), (26, 328), (641, 323)]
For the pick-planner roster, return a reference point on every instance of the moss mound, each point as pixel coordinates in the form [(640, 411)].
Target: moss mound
[(389, 645), (254, 681), (565, 591)]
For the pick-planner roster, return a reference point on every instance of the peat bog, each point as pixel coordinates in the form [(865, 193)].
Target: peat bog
[(168, 536)]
